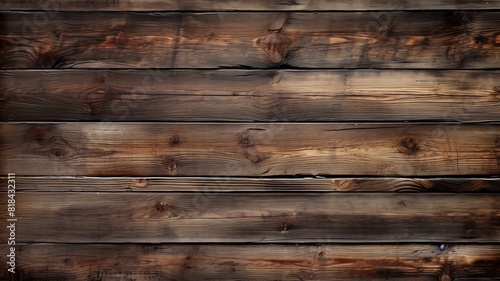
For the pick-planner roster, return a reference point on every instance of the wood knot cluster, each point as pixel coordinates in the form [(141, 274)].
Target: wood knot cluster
[(43, 142)]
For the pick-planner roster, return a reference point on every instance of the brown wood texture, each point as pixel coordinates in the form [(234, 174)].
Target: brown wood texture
[(248, 5), (130, 217), (443, 39), (251, 140), (72, 262), (192, 149), (249, 95), (209, 186)]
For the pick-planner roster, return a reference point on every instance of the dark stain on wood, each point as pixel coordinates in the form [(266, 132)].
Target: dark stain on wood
[(459, 19)]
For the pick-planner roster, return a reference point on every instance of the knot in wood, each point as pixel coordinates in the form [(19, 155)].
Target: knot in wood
[(170, 164), (342, 184), (285, 227), (277, 47), (458, 19), (245, 141), (161, 206), (480, 40), (86, 107), (409, 146), (101, 78), (141, 183), (39, 134), (174, 140)]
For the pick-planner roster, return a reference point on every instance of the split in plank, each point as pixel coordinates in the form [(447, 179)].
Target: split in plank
[(211, 185), (444, 39), (276, 149), (130, 217), (249, 95), (415, 262), (247, 5)]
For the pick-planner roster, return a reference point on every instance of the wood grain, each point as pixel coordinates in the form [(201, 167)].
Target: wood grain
[(276, 149), (249, 95), (444, 39), (72, 262), (248, 5), (85, 217), (210, 185)]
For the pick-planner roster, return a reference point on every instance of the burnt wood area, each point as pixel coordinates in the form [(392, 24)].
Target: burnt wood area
[(158, 140)]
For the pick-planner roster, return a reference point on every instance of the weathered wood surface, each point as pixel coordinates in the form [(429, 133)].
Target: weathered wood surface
[(211, 185), (407, 262), (247, 5), (129, 217), (444, 39), (192, 149), (249, 95)]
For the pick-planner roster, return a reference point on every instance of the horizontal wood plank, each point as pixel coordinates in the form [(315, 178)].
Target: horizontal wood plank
[(128, 217), (106, 262), (444, 39), (249, 95), (276, 149), (209, 186), (248, 5)]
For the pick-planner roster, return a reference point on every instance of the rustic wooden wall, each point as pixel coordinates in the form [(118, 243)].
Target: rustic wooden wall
[(251, 140)]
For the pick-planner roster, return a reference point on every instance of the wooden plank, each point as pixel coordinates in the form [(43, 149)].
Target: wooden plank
[(248, 5), (72, 262), (443, 39), (249, 95), (83, 217), (276, 149), (210, 186)]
